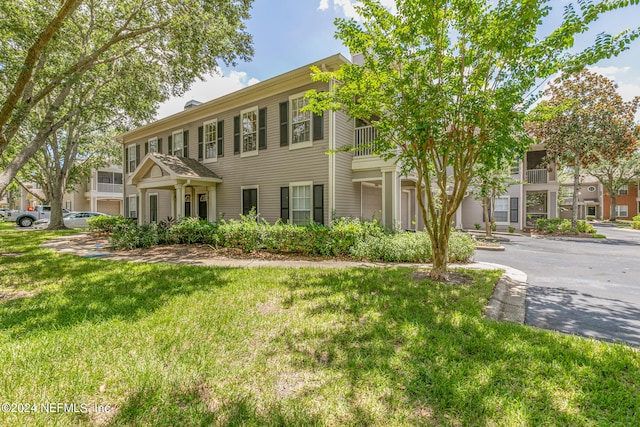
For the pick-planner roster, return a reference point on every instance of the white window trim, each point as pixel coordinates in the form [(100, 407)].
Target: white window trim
[(131, 149), (508, 198), (252, 152), (149, 144), (173, 142), (206, 159), (619, 210), (301, 184), (250, 187), (133, 198), (157, 206), (297, 145)]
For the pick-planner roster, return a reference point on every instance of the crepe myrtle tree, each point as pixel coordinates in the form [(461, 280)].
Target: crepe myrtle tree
[(585, 123), (446, 84)]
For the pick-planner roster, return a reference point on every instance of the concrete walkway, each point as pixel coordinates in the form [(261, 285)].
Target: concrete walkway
[(507, 302)]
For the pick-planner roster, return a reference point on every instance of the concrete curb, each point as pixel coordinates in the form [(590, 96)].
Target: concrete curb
[(507, 303)]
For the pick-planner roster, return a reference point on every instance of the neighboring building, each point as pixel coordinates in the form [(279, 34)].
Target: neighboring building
[(589, 198), (101, 192), (254, 148), (28, 193), (627, 202)]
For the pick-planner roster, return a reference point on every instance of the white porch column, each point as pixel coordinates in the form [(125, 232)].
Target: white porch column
[(179, 202), (173, 204), (459, 216), (390, 198), (142, 205), (211, 203)]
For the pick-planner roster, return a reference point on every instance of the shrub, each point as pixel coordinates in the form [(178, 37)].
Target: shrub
[(130, 236), (106, 224), (477, 226), (193, 230), (585, 227), (411, 247), (247, 233), (635, 225), (512, 229)]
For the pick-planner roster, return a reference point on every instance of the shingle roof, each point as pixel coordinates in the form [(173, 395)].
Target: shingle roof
[(185, 167)]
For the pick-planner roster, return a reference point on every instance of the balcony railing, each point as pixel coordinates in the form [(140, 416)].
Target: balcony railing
[(536, 176), (363, 141), (109, 188)]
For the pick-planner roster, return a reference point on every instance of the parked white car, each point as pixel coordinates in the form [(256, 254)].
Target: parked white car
[(72, 219)]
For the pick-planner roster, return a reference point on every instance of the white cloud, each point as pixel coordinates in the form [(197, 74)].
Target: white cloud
[(324, 5), (213, 86), (346, 7), (609, 72)]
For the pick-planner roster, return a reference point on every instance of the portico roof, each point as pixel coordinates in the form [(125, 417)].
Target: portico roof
[(158, 170)]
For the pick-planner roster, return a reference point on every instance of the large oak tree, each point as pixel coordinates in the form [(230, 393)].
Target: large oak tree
[(447, 82)]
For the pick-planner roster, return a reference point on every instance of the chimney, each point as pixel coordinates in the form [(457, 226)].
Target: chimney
[(191, 104)]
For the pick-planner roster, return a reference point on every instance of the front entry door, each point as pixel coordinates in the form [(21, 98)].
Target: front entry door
[(202, 206)]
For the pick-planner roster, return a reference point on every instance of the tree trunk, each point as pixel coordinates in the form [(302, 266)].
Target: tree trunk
[(576, 191), (55, 221), (487, 219), (14, 166), (612, 208)]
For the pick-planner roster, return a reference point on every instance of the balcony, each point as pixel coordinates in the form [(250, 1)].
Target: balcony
[(109, 188), (536, 176), (363, 139)]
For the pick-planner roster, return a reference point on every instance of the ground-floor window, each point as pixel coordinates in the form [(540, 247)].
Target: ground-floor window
[(153, 208), (133, 207), (67, 205), (501, 209), (187, 205), (301, 204), (591, 210), (249, 200), (622, 210)]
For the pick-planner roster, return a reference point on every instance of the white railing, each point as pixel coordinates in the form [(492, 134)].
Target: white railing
[(536, 176), (363, 140), (109, 188)]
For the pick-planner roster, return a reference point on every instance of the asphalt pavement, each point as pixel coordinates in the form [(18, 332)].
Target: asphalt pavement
[(588, 287)]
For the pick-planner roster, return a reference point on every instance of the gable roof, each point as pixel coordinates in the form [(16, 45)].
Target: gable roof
[(174, 169)]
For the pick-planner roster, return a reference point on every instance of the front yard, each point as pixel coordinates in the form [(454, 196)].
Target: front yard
[(157, 344)]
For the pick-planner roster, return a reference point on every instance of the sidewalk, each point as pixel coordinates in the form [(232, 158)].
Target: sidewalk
[(506, 303)]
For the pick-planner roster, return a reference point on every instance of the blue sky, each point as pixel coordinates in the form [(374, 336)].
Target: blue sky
[(291, 33)]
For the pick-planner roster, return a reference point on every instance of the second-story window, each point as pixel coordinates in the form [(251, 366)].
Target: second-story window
[(300, 121), (210, 138), (178, 143), (153, 145), (132, 157), (249, 129)]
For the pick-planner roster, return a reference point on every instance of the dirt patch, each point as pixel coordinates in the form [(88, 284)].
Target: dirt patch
[(12, 294), (10, 254), (453, 277)]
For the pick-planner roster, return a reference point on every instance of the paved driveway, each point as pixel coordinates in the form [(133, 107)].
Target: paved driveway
[(589, 287)]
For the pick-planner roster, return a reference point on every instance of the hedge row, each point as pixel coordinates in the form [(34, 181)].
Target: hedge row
[(343, 237), (635, 223), (563, 225)]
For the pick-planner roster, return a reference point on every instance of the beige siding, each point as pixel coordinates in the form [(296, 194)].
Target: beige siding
[(347, 192), (111, 207), (371, 202), (271, 169)]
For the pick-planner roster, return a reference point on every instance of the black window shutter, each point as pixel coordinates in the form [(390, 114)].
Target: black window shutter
[(137, 155), (200, 142), (126, 159), (146, 148), (220, 131), (284, 204), (236, 135), (318, 126), (159, 145), (126, 207), (262, 129), (318, 203), (513, 211), (284, 123), (185, 143), (170, 144)]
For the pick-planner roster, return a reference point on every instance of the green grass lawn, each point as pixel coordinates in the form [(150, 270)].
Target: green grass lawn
[(177, 345)]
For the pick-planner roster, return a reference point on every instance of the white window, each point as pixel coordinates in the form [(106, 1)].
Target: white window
[(300, 122), (622, 210), (210, 137), (249, 132), (133, 207), (301, 203), (132, 157), (67, 205), (623, 190), (501, 210), (153, 145), (178, 143)]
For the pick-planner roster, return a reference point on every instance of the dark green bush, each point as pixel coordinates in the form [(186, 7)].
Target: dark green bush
[(130, 236), (105, 224), (194, 230)]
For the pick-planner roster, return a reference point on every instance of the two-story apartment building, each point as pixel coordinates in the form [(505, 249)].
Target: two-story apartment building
[(627, 202), (101, 192), (256, 149)]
